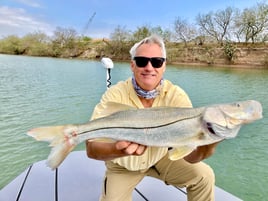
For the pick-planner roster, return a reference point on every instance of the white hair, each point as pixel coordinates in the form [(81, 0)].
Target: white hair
[(153, 39)]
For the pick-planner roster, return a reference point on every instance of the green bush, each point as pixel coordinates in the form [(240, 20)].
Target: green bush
[(229, 51)]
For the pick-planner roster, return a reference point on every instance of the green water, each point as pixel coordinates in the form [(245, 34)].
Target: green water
[(44, 91)]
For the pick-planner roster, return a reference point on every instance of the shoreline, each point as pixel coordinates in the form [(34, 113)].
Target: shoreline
[(202, 64), (186, 64), (220, 65)]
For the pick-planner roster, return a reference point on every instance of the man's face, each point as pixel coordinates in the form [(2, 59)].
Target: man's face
[(148, 77)]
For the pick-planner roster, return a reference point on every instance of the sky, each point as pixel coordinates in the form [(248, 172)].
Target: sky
[(99, 18)]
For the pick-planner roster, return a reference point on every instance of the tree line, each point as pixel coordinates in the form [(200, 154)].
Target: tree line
[(222, 27)]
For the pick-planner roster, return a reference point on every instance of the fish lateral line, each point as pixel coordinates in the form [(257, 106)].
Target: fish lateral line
[(136, 128)]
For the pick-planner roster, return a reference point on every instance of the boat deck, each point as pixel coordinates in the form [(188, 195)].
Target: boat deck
[(79, 179)]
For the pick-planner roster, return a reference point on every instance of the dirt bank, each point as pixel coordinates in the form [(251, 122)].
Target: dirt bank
[(243, 57)]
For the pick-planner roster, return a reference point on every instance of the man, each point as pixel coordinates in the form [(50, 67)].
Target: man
[(127, 162)]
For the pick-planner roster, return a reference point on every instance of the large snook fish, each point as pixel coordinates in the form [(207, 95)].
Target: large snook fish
[(183, 129)]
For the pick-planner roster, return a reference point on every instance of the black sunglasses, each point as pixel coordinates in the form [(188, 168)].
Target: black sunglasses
[(156, 62)]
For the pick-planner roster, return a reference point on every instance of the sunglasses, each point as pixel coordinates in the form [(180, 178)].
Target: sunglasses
[(156, 62)]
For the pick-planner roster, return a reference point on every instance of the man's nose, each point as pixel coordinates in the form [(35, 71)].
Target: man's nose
[(149, 66)]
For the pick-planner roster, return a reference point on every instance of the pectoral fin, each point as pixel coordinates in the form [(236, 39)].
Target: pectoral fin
[(179, 152)]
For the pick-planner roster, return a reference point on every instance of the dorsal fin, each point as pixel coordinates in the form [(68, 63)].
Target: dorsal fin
[(113, 107)]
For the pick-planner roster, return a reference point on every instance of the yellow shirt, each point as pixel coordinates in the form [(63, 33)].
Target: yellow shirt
[(124, 93)]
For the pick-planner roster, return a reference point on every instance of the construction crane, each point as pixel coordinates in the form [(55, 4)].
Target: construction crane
[(88, 23)]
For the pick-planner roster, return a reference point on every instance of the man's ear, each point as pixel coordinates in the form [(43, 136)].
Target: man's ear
[(132, 65)]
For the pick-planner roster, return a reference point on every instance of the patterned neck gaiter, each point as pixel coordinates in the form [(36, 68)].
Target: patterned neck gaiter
[(147, 94)]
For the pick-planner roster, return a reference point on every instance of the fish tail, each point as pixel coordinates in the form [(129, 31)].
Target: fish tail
[(63, 140)]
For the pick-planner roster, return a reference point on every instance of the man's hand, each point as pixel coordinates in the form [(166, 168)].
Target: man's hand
[(108, 151), (130, 148), (201, 153)]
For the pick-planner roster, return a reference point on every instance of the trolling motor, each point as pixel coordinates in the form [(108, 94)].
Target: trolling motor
[(108, 64)]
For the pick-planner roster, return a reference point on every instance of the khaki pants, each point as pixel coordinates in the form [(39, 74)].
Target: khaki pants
[(198, 179)]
